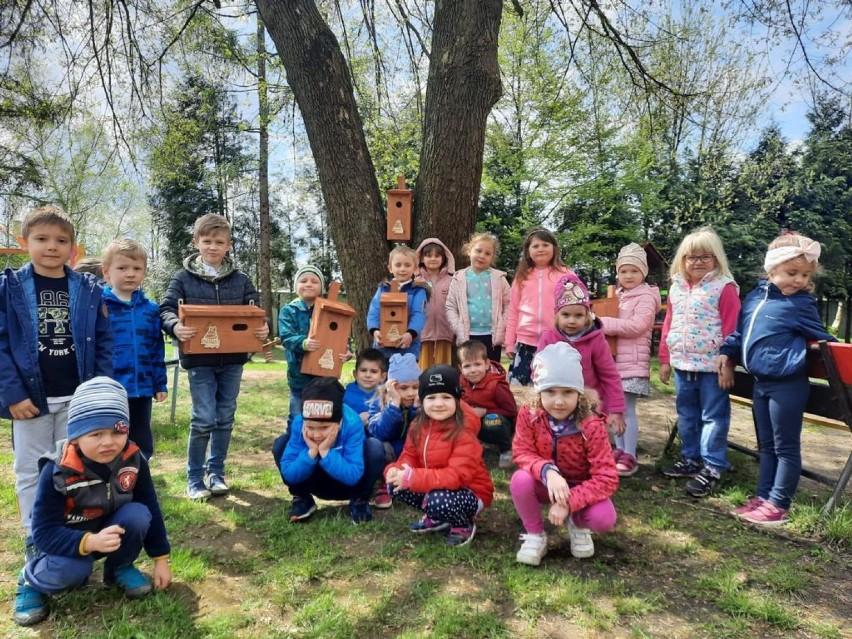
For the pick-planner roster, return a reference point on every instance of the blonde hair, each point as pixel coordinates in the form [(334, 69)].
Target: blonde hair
[(209, 224), (403, 250), (126, 247), (48, 214), (702, 239), (794, 239), (482, 237)]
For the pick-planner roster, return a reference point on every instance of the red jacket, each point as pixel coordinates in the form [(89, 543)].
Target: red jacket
[(491, 393), (449, 464), (584, 458)]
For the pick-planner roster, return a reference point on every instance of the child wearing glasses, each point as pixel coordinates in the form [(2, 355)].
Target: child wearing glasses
[(703, 307)]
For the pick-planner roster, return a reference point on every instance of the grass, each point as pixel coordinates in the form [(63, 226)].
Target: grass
[(672, 567)]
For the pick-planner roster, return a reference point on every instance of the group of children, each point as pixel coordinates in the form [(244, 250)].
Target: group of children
[(80, 365)]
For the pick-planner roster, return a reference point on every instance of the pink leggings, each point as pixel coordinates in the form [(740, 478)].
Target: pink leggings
[(529, 494)]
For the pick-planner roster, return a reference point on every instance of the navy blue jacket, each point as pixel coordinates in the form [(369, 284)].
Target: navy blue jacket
[(20, 374), (139, 358), (773, 330)]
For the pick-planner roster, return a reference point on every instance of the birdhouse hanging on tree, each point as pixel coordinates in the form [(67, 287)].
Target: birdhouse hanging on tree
[(399, 212), (393, 315), (331, 324)]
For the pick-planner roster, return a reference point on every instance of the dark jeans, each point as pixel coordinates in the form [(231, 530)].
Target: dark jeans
[(494, 352), (140, 424)]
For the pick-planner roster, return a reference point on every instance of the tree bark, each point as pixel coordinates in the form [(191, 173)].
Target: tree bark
[(263, 171)]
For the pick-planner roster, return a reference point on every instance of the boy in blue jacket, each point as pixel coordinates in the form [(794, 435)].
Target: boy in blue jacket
[(54, 334)]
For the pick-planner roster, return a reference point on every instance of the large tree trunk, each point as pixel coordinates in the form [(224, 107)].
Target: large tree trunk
[(263, 172)]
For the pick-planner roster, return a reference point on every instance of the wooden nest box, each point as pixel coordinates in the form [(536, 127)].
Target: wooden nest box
[(221, 328), (393, 315), (331, 324)]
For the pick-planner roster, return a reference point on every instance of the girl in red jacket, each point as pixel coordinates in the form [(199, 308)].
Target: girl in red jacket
[(440, 470), (564, 459)]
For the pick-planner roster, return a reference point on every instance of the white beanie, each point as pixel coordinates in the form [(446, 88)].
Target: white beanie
[(557, 366)]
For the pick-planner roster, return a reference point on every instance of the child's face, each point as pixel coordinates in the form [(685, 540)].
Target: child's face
[(407, 393), (629, 276), (541, 252), (559, 403), (439, 406), (49, 247), (103, 445), (698, 264), (308, 287), (792, 276), (433, 261), (572, 319), (125, 274), (474, 368), (213, 247), (481, 255), (317, 431), (401, 267), (369, 374)]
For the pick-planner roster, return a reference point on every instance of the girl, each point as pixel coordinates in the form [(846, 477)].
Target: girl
[(437, 266), (638, 304), (577, 325), (702, 311), (440, 470), (479, 297), (562, 450), (531, 302), (778, 318)]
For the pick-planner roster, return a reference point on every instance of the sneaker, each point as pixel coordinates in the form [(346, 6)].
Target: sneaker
[(302, 508), (382, 499), (197, 492), (30, 604), (683, 468), (766, 514), (616, 454), (360, 512), (582, 545), (750, 505), (533, 549), (506, 460), (217, 485), (426, 525), (460, 536), (130, 579), (703, 483), (626, 465)]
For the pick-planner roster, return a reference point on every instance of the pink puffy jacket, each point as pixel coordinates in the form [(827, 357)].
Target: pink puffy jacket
[(636, 311)]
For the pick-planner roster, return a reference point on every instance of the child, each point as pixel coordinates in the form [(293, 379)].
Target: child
[(479, 297), (371, 371), (95, 499), (485, 389), (209, 277), (531, 300), (139, 355), (390, 417), (440, 470), (702, 311), (564, 458), (437, 266), (54, 334), (402, 262), (90, 264), (778, 318), (638, 304), (294, 322), (326, 454), (577, 325)]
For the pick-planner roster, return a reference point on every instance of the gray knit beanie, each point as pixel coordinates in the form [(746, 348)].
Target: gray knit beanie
[(98, 403), (557, 366), (313, 270)]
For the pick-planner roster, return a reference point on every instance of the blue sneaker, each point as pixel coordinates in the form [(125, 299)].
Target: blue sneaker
[(426, 525), (30, 604), (302, 508), (130, 579), (197, 492), (360, 511)]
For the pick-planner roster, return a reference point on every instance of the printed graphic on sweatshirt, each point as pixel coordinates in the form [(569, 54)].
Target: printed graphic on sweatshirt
[(57, 359)]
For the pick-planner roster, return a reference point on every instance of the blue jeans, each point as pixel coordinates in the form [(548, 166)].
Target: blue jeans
[(777, 409), (214, 391), (50, 574), (703, 418), (295, 405)]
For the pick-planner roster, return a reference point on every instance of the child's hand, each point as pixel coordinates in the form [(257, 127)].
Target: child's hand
[(162, 573), (557, 488), (396, 476), (345, 357), (106, 541), (313, 449), (262, 332), (720, 362), (326, 444), (23, 409), (310, 344), (377, 337), (558, 514), (665, 373), (405, 340), (393, 394), (391, 475), (616, 420), (184, 333), (365, 418), (726, 377), (161, 396), (510, 354)]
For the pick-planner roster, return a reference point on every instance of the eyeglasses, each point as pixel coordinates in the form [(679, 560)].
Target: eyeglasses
[(692, 259)]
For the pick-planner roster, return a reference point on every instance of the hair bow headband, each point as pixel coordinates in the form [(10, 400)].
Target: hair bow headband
[(810, 250)]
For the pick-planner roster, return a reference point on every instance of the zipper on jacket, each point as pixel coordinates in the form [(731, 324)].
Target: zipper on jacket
[(751, 327), (538, 315), (425, 446)]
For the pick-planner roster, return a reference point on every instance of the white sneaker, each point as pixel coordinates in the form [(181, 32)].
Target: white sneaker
[(582, 545), (533, 549)]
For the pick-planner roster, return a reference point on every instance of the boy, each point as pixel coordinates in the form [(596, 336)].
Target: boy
[(95, 499), (402, 264), (325, 453), (371, 371), (485, 388), (54, 334), (209, 277), (139, 356)]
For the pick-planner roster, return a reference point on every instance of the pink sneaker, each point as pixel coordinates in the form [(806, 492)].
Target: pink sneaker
[(626, 465), (616, 454), (767, 514), (750, 505), (382, 498)]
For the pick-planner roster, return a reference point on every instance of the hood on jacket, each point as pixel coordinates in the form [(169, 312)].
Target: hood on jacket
[(193, 265), (449, 268)]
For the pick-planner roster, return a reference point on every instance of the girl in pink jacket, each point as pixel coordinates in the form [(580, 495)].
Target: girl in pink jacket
[(437, 264), (638, 304)]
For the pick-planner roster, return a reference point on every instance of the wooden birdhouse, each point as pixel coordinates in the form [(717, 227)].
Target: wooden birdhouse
[(393, 315), (221, 328), (607, 307), (399, 212), (331, 324)]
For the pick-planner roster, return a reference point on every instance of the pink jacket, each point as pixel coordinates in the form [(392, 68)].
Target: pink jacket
[(599, 370), (457, 311), (437, 327), (636, 311), (531, 306)]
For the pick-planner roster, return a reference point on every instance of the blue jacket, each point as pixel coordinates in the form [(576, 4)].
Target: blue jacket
[(390, 424), (20, 375), (294, 321), (359, 400), (773, 330), (139, 357), (417, 300), (344, 462)]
